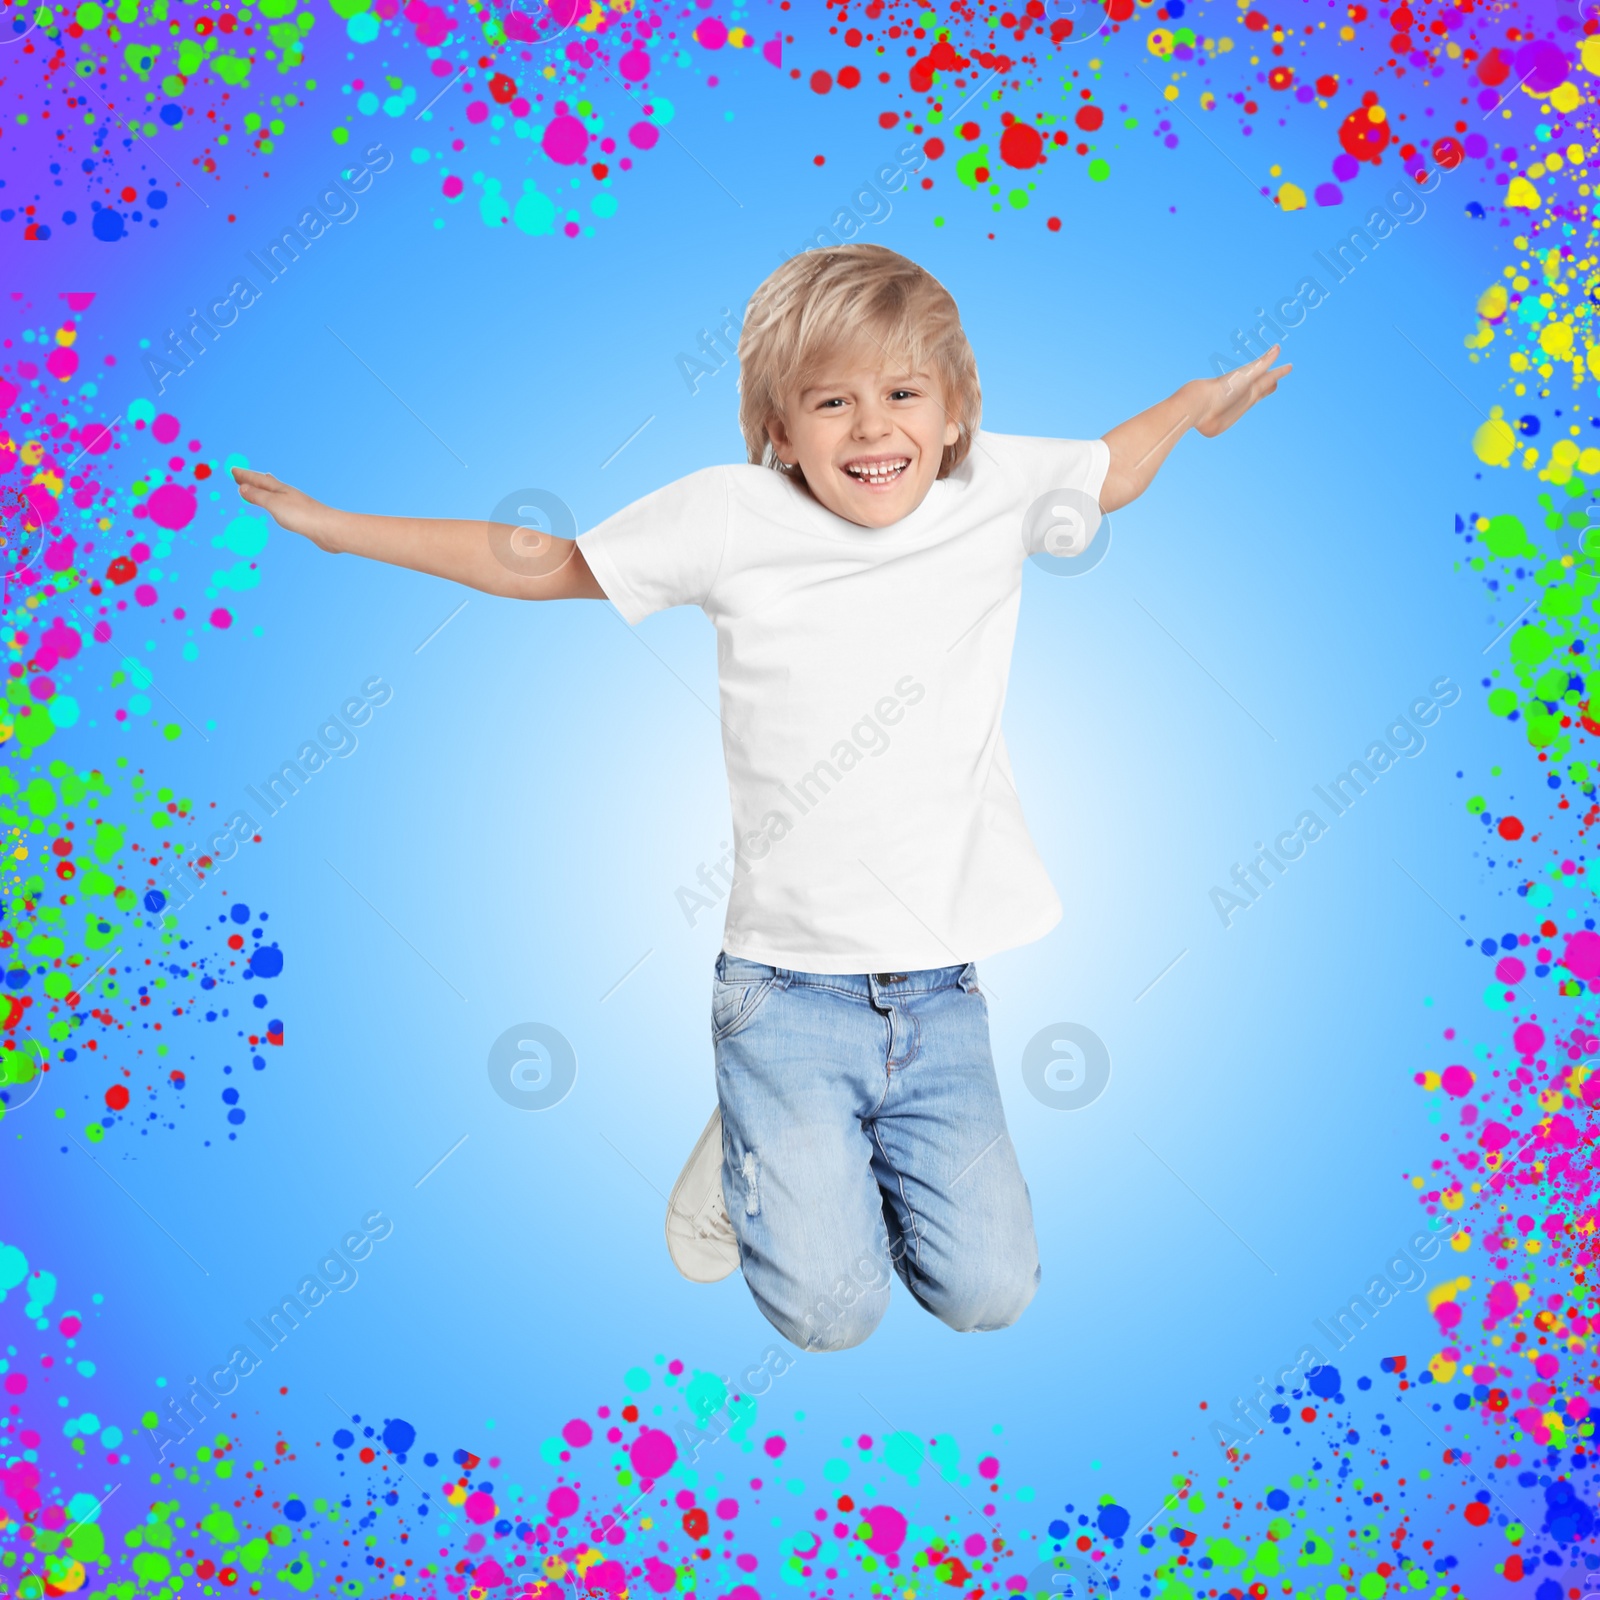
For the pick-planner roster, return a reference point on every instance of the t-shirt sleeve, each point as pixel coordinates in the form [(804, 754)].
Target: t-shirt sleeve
[(663, 550), (1068, 473)]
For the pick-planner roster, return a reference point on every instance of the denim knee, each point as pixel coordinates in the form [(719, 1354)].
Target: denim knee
[(993, 1296), (833, 1319), (847, 1328)]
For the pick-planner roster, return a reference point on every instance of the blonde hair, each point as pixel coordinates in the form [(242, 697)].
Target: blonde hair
[(822, 302)]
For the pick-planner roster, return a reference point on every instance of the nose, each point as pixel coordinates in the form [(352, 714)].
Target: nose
[(872, 420)]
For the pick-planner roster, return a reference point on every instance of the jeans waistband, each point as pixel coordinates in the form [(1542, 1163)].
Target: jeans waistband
[(736, 969)]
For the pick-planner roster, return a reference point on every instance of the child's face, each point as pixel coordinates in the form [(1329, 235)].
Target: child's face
[(868, 439)]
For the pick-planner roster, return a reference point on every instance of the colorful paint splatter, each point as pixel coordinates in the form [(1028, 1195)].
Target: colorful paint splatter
[(1033, 85), (541, 118), (567, 99), (113, 927)]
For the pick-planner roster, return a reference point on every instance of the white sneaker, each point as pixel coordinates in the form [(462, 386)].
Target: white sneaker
[(699, 1236)]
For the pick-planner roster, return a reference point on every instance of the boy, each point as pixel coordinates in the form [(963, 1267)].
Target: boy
[(863, 572)]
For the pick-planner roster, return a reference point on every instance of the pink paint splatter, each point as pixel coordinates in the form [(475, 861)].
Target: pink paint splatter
[(171, 506), (565, 140), (652, 1454)]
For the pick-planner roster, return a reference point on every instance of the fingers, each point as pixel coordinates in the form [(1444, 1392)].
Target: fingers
[(1255, 385), (1260, 361), (1266, 383)]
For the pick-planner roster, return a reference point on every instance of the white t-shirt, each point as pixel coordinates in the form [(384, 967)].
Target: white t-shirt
[(863, 673)]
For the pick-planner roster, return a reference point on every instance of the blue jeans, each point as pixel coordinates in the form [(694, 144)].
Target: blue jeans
[(863, 1135)]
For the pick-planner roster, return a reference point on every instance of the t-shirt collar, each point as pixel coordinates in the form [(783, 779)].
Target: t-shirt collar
[(833, 526)]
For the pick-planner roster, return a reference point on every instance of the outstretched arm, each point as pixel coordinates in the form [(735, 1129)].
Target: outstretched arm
[(519, 563), (1140, 445)]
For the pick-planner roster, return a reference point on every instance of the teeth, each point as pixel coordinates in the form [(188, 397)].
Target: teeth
[(878, 472)]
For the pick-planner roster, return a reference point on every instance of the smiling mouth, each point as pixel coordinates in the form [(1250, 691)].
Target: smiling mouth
[(877, 474)]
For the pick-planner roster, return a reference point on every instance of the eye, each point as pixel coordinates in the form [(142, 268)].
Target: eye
[(902, 394)]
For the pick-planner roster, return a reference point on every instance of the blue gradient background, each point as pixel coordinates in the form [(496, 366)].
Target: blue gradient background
[(523, 810)]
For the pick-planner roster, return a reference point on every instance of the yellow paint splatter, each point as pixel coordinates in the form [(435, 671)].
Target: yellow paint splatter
[(1522, 194), (1494, 442)]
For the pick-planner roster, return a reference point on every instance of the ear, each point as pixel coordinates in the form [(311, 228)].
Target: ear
[(952, 430), (782, 445)]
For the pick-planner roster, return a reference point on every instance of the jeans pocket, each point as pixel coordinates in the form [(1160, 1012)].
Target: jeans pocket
[(734, 1004)]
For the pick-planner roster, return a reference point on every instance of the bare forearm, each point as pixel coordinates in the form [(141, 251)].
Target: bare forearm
[(1139, 446), (1211, 405), (521, 563)]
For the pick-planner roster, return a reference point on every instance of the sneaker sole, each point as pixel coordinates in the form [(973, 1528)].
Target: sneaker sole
[(710, 1136)]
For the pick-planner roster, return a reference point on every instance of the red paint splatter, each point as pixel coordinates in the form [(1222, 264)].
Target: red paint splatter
[(1021, 146)]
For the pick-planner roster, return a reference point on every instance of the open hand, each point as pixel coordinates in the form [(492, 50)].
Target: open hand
[(1221, 401), (288, 507)]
